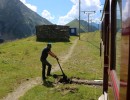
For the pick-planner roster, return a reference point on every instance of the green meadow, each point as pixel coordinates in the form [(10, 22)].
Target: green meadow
[(20, 60)]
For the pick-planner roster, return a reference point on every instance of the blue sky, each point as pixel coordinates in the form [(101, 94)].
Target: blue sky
[(63, 11)]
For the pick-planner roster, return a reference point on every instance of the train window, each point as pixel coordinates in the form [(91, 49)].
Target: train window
[(118, 38)]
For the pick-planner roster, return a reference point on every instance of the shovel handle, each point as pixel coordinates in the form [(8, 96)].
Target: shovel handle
[(60, 66)]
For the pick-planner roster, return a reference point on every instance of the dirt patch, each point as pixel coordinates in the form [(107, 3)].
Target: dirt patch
[(67, 90), (76, 80)]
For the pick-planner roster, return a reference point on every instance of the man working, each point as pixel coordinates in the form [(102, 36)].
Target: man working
[(44, 61)]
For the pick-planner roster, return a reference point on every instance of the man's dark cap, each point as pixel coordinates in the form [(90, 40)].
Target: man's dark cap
[(49, 45)]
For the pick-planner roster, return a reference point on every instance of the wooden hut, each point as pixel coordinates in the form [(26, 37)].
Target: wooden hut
[(52, 33)]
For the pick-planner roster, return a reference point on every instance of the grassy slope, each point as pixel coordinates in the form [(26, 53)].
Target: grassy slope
[(84, 63), (76, 24), (85, 60), (20, 60)]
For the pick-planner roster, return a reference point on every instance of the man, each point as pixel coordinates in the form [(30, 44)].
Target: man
[(44, 61)]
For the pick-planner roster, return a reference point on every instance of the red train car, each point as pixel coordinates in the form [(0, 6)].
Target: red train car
[(115, 36)]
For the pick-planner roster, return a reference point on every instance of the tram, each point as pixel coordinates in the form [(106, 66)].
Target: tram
[(115, 49)]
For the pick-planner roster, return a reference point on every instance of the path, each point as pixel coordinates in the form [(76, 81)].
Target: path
[(24, 87)]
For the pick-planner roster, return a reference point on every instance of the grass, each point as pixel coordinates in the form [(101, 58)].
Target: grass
[(84, 63), (20, 60), (63, 92), (118, 54)]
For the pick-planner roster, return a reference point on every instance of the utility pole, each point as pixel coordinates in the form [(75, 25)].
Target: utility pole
[(88, 21), (91, 25), (79, 19), (89, 12)]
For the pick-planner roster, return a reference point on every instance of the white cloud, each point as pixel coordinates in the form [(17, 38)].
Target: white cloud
[(97, 20), (86, 5), (72, 14), (125, 11), (46, 14), (24, 1), (32, 7)]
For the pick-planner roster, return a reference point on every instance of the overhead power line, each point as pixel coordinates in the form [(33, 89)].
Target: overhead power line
[(88, 12)]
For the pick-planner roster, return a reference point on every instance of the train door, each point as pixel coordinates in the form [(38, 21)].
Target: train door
[(115, 49), (125, 51)]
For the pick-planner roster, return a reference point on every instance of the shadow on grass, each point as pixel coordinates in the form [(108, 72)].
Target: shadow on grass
[(52, 40), (48, 83)]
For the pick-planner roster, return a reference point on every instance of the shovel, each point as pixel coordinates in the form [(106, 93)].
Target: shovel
[(65, 79)]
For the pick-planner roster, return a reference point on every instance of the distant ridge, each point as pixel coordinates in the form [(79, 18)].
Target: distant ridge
[(83, 25), (17, 20)]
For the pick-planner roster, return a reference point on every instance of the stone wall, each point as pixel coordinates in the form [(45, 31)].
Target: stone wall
[(52, 33)]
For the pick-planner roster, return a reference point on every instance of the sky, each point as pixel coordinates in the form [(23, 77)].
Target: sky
[(62, 12)]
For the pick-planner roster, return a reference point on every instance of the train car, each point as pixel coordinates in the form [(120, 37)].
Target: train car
[(115, 43)]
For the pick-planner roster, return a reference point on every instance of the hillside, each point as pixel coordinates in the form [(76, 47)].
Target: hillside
[(83, 25), (92, 26), (17, 20), (20, 63)]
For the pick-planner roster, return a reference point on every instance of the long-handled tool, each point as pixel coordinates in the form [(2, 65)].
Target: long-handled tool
[(65, 79)]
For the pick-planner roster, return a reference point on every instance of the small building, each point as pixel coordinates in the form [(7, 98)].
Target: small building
[(52, 33), (73, 31), (1, 40)]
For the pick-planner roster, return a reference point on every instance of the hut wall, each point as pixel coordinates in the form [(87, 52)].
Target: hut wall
[(52, 33)]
